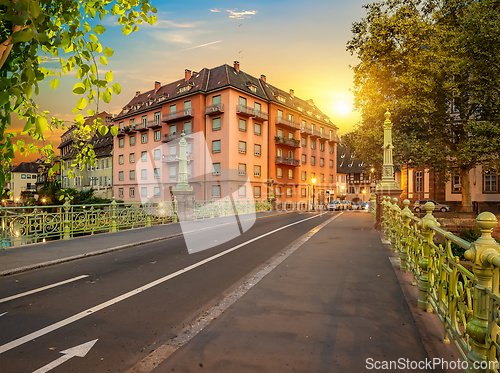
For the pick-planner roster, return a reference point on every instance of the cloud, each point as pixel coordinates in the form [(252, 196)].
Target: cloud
[(167, 23), (215, 10), (241, 15), (202, 45), (171, 37)]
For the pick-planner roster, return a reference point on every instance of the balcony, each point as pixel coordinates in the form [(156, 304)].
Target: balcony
[(143, 126), (131, 128), (260, 116), (174, 158), (245, 111), (288, 142), (175, 135), (315, 133), (214, 109), (156, 123), (121, 132), (178, 115), (287, 123), (288, 161)]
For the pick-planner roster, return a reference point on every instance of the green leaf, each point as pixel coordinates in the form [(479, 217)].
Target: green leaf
[(23, 36), (61, 197), (106, 97), (4, 98), (108, 52), (99, 29), (126, 29), (154, 10), (93, 38), (79, 89), (114, 130), (103, 60), (86, 27), (81, 104), (54, 83), (80, 119), (109, 76), (90, 112), (152, 20), (103, 130), (41, 125), (116, 88)]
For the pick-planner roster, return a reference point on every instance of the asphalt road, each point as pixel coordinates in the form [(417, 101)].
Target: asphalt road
[(131, 301)]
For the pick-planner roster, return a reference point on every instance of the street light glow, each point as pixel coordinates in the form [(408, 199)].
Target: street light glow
[(313, 180)]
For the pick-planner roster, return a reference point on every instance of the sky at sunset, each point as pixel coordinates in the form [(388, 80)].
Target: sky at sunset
[(298, 45)]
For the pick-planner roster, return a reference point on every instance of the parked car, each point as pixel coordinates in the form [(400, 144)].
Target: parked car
[(347, 205), (365, 206), (355, 206), (419, 206), (335, 205)]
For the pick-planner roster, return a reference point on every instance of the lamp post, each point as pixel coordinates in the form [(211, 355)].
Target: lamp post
[(313, 180)]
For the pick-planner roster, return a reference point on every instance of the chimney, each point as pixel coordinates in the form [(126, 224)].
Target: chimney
[(237, 66), (310, 102), (292, 93), (137, 93), (263, 78), (157, 86), (187, 75)]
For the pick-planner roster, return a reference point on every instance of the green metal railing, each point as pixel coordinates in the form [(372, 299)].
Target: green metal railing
[(34, 224), (467, 303)]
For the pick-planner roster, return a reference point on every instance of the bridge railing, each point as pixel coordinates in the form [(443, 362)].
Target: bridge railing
[(467, 302), (34, 224)]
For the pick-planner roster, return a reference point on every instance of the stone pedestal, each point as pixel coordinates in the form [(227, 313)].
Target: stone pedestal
[(379, 193), (185, 205)]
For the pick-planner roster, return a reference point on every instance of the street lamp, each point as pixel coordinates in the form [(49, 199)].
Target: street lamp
[(313, 180), (342, 190)]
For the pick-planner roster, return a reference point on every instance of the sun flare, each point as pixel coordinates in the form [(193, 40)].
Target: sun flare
[(343, 107)]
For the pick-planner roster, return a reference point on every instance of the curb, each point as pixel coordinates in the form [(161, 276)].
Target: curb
[(13, 271)]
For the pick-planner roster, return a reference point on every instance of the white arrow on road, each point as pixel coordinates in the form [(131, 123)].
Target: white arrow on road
[(80, 351)]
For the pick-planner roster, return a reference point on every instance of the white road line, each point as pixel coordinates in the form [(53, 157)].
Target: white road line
[(5, 313), (43, 288), (90, 311)]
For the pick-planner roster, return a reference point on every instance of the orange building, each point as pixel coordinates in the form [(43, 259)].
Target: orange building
[(239, 129)]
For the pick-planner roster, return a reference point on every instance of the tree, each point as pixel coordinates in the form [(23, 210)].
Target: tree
[(435, 65), (31, 30)]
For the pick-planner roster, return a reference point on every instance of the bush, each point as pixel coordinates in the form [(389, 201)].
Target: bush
[(470, 235)]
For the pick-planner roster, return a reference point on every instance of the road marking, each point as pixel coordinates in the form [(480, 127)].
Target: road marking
[(41, 289), (5, 313), (80, 351), (90, 311)]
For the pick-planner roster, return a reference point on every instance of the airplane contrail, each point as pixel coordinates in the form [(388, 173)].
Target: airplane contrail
[(199, 46)]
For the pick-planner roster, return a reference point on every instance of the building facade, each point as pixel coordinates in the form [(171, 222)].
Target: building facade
[(245, 137), (355, 179), (23, 182)]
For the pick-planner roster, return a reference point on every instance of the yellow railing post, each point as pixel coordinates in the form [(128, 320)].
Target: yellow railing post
[(485, 258), (403, 249), (67, 223), (113, 215), (394, 214)]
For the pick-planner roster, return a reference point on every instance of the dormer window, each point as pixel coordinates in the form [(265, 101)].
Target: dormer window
[(251, 86), (184, 89), (281, 99)]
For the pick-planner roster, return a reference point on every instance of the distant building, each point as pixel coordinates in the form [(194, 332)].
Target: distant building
[(23, 182), (251, 134), (43, 171), (98, 176)]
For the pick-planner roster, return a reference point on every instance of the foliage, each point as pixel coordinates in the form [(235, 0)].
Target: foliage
[(435, 65), (32, 31)]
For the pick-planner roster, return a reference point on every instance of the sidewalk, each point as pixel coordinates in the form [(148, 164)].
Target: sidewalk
[(27, 257), (331, 305)]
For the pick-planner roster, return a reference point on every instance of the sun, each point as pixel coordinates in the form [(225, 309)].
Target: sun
[(343, 107)]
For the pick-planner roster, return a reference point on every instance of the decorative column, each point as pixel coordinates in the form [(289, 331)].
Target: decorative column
[(182, 191), (388, 186)]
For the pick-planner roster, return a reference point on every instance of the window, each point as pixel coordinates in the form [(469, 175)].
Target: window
[(144, 156), (157, 173), (157, 191), (215, 190), (172, 173), (243, 101), (419, 181), (257, 106), (187, 104), (331, 149), (144, 120), (279, 133), (132, 174), (242, 147), (173, 108), (120, 192), (157, 118), (242, 191), (290, 154), (280, 152), (132, 123), (132, 140), (303, 125), (490, 182), (256, 149), (313, 144), (216, 100), (278, 191), (172, 129), (304, 175), (331, 163), (280, 113), (313, 127), (144, 174), (121, 125), (132, 157), (279, 173), (304, 158), (242, 169), (256, 171), (322, 162), (157, 135), (144, 138), (257, 129), (303, 192), (456, 186), (321, 146), (304, 142), (120, 175), (256, 191), (172, 150), (330, 179), (290, 135), (121, 142), (157, 154), (289, 191), (290, 173), (242, 125), (290, 117), (120, 159), (144, 192), (216, 146), (132, 192), (321, 178), (187, 128), (216, 169), (215, 124), (313, 160)]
